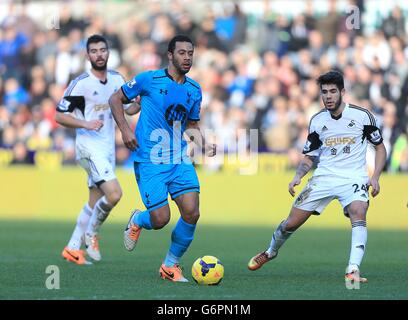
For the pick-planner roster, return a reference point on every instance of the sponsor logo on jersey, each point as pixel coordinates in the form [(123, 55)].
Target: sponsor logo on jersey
[(101, 107), (176, 113), (324, 128), (95, 93), (330, 142)]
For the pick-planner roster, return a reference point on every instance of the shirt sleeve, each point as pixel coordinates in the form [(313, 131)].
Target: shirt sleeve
[(73, 98), (136, 86), (313, 142), (194, 114), (371, 130), (122, 81)]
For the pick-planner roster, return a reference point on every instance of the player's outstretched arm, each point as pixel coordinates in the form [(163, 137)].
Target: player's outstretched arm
[(304, 167), (194, 134), (380, 158), (69, 121), (116, 102)]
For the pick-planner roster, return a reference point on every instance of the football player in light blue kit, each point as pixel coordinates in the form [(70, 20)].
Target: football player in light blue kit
[(170, 104)]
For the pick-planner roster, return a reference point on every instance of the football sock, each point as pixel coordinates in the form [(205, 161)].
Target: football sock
[(278, 239), (82, 222), (181, 238), (142, 219), (358, 241), (99, 215)]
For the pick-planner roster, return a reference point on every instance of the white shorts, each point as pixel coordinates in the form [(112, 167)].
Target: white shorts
[(321, 190), (99, 169)]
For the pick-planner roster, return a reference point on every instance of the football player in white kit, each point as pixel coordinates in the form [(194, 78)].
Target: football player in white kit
[(85, 107), (337, 140)]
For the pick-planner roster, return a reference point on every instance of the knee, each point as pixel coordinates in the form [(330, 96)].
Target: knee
[(159, 219), (192, 216), (358, 212), (114, 197)]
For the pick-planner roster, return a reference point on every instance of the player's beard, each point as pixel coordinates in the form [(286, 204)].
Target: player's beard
[(179, 68), (336, 105), (99, 68)]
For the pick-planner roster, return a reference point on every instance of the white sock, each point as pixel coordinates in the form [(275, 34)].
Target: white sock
[(82, 222), (99, 214), (278, 239), (358, 242)]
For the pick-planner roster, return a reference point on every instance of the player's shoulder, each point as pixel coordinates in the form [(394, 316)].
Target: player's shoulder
[(76, 83), (193, 83), (156, 74), (115, 73), (117, 76), (81, 77), (361, 112), (321, 114)]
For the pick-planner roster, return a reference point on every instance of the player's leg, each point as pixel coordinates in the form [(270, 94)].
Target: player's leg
[(72, 252), (296, 218), (111, 194), (315, 196), (105, 197), (151, 180), (182, 234), (357, 211), (184, 189)]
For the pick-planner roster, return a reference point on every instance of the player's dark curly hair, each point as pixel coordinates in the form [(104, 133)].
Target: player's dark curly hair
[(331, 77), (95, 39), (178, 38)]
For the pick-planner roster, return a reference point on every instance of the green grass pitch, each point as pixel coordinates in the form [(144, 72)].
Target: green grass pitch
[(310, 266)]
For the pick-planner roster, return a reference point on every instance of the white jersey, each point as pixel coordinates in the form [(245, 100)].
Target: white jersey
[(341, 143), (87, 98)]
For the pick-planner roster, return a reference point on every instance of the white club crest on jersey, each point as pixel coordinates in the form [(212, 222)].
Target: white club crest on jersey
[(130, 84)]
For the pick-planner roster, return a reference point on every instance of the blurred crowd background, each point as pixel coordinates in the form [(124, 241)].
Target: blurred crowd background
[(256, 61)]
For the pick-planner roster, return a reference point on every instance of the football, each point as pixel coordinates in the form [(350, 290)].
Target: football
[(207, 270)]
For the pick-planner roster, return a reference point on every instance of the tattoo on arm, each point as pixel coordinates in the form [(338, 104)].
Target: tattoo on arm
[(305, 165)]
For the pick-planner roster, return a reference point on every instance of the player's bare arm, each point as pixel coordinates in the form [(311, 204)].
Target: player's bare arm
[(380, 158), (134, 108), (303, 168), (69, 121), (210, 149), (116, 102)]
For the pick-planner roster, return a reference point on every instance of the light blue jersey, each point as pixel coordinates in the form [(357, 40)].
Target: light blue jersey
[(166, 106)]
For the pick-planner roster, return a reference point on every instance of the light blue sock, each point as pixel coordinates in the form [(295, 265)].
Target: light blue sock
[(143, 220), (181, 238)]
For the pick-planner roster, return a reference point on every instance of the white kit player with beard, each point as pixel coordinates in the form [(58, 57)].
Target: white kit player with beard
[(337, 142), (85, 107)]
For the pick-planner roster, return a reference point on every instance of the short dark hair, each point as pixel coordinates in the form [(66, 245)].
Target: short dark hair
[(178, 38), (331, 77), (95, 39)]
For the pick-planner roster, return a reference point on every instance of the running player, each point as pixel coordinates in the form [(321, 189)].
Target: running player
[(85, 107), (338, 138), (170, 104)]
